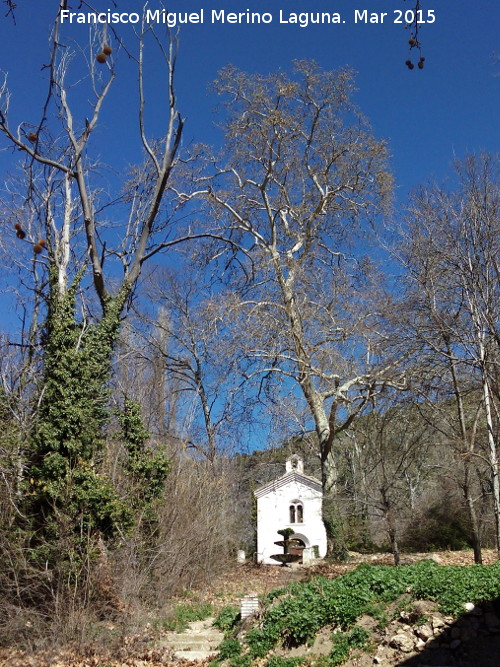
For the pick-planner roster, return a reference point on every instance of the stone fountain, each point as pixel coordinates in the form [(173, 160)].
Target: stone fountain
[(286, 557)]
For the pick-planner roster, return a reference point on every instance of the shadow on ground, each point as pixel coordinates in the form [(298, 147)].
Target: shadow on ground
[(473, 640)]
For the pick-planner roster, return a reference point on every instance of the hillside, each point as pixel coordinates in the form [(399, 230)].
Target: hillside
[(399, 631)]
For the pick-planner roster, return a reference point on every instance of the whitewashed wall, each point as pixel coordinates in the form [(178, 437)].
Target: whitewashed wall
[(273, 514)]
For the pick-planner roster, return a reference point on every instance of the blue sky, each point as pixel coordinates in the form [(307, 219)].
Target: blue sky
[(429, 117)]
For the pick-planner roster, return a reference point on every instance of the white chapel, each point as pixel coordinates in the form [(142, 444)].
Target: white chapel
[(294, 501)]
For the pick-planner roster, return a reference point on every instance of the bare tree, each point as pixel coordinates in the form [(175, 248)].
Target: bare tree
[(301, 180), (63, 187), (453, 262), (195, 333), (86, 245), (391, 448), (441, 376)]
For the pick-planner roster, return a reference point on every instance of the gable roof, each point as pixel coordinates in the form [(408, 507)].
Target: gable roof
[(292, 476)]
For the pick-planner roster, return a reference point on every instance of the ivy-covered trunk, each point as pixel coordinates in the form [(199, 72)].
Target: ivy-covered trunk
[(69, 502)]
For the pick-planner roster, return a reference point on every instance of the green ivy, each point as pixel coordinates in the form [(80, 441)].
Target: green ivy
[(337, 547), (69, 500), (148, 468), (63, 476)]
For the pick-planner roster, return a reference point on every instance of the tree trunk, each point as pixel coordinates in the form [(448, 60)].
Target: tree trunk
[(391, 526), (493, 459), (336, 547), (475, 535), (394, 545), (468, 446)]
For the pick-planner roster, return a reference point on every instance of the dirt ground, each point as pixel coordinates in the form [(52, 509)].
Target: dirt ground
[(138, 650)]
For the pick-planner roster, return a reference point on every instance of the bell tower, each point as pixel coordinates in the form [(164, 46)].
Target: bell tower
[(295, 464)]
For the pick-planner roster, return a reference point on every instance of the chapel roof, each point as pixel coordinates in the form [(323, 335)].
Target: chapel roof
[(288, 478)]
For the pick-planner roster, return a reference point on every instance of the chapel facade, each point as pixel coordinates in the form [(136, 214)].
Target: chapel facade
[(294, 501)]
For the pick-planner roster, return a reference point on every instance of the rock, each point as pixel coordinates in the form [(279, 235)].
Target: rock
[(455, 644), (468, 623), (455, 633), (437, 559), (437, 623), (424, 632), (420, 607), (403, 642)]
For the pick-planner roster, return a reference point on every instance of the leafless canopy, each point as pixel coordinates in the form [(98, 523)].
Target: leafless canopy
[(301, 181), (79, 216)]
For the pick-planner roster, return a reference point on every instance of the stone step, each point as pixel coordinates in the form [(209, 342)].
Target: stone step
[(198, 642), (179, 642), (194, 655), (192, 650), (210, 632)]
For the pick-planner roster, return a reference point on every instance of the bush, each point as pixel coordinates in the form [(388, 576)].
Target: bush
[(229, 648), (344, 642), (241, 661), (442, 525), (357, 535), (261, 642), (227, 618)]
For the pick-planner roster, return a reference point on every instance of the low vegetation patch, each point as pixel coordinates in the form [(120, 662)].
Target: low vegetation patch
[(186, 613), (227, 618), (294, 615), (343, 642)]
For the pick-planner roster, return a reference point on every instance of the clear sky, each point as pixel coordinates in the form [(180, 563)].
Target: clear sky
[(428, 116)]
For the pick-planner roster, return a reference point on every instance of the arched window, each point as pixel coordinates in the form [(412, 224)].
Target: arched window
[(296, 512)]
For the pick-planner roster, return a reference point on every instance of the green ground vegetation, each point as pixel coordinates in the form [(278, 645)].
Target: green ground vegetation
[(295, 614), (186, 613)]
